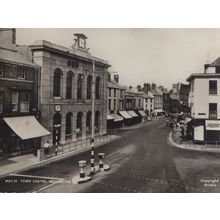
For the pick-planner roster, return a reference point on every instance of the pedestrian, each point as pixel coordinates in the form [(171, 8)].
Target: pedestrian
[(47, 148)]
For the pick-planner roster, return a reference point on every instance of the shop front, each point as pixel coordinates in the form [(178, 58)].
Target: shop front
[(20, 135)]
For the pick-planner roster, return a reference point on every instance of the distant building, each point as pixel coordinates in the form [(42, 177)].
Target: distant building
[(116, 101), (19, 99), (204, 103), (166, 102), (158, 99)]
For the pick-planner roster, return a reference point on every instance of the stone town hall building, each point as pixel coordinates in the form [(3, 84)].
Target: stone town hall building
[(66, 90)]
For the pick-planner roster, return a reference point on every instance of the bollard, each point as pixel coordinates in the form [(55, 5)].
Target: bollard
[(101, 156), (102, 166), (82, 165), (81, 178)]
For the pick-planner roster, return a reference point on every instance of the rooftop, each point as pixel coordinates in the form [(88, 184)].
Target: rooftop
[(15, 57), (202, 75), (42, 44), (113, 84)]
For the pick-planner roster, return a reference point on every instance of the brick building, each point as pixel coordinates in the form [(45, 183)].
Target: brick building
[(66, 90), (20, 131)]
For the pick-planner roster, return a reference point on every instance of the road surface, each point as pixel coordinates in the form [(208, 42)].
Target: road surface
[(142, 160)]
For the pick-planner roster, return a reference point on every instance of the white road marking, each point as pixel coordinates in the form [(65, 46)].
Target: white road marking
[(39, 177)]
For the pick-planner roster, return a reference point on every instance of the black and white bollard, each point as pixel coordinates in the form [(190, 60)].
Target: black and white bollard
[(82, 178), (102, 166), (92, 172)]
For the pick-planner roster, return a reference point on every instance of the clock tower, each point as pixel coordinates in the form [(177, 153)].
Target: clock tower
[(80, 41)]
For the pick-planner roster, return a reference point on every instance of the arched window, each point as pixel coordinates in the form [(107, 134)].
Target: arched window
[(69, 124), (80, 86), (79, 122), (97, 120), (57, 83), (89, 87), (97, 87), (69, 85), (88, 121)]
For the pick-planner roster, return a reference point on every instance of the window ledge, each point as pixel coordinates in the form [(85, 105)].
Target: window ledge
[(57, 97)]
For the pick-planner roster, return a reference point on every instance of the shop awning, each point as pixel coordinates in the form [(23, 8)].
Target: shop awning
[(117, 117), (125, 115), (133, 114), (110, 117), (26, 127), (142, 113)]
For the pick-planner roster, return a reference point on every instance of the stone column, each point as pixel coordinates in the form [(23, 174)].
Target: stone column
[(85, 87)]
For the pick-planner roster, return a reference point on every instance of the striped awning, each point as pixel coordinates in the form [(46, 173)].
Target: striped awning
[(110, 117), (125, 115), (117, 117), (142, 113), (133, 114)]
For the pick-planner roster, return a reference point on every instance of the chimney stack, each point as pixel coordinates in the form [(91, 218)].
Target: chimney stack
[(153, 86), (146, 88)]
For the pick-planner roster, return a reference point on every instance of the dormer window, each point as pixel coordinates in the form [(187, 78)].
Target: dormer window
[(21, 74)]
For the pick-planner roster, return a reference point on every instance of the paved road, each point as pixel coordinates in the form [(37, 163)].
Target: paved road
[(142, 161)]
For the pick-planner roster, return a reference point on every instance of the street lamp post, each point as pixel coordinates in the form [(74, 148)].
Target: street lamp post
[(92, 172)]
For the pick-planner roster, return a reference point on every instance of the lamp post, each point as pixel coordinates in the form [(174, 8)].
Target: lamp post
[(92, 172)]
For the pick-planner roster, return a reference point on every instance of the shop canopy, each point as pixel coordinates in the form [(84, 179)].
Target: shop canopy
[(26, 127), (125, 115), (117, 117), (110, 117), (142, 113), (133, 114)]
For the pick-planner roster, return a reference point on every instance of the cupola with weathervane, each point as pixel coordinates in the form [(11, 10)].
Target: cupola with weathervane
[(80, 41)]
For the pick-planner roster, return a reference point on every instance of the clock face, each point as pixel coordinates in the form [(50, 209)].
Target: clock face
[(81, 43)]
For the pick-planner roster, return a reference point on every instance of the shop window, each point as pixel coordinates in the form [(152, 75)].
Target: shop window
[(24, 101), (89, 87), (57, 83), (97, 120), (97, 88), (14, 101), (212, 87), (69, 85), (213, 110), (1, 102)]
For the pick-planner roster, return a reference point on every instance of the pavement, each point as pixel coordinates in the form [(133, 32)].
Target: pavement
[(24, 162), (187, 145)]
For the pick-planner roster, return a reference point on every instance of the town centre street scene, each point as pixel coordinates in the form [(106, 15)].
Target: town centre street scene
[(109, 110)]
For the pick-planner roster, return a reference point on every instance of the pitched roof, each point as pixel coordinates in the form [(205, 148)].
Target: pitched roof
[(13, 56), (113, 84), (156, 92), (215, 62)]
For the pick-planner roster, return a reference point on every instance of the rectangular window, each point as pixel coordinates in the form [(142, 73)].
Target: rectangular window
[(114, 92), (2, 69), (114, 104), (139, 103), (1, 102), (212, 87), (109, 92), (24, 101), (121, 93), (213, 110), (14, 101), (109, 104), (21, 74)]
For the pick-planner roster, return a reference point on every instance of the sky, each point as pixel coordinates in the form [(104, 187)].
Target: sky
[(163, 56)]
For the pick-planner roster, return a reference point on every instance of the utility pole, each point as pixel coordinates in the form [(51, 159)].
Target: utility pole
[(92, 172)]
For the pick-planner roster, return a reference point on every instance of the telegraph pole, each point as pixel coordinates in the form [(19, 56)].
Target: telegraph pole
[(92, 172)]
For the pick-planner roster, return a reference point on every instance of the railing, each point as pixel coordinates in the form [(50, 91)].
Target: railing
[(82, 144)]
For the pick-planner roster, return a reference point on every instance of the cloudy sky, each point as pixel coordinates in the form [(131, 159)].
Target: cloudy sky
[(163, 56)]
